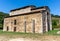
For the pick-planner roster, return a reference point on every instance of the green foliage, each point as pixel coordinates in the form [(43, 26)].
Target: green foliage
[(54, 23), (2, 15)]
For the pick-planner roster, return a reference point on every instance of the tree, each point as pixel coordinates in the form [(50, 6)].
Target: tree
[(54, 23), (2, 15)]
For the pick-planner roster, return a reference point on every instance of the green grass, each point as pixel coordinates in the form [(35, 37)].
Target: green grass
[(13, 35), (53, 32), (20, 34), (27, 35)]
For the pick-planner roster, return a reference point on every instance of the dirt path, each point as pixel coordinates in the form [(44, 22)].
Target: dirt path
[(42, 38), (46, 38)]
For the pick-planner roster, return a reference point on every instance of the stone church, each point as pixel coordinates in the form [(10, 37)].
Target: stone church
[(28, 19)]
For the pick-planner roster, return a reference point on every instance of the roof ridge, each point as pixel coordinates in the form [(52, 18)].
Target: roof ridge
[(23, 7)]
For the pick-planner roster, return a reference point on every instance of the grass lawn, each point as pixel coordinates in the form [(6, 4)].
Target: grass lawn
[(27, 35), (53, 32), (17, 35)]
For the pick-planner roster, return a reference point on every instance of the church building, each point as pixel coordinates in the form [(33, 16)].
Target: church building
[(28, 19)]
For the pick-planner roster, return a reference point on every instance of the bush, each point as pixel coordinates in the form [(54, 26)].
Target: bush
[(54, 23)]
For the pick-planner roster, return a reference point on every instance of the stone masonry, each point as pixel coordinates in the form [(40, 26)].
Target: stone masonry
[(28, 19)]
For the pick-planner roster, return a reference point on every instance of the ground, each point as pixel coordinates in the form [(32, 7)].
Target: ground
[(18, 36)]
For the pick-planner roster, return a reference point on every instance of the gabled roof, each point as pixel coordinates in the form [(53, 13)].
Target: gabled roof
[(41, 8), (22, 8), (47, 8), (32, 8)]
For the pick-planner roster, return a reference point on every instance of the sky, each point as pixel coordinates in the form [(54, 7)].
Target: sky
[(7, 5)]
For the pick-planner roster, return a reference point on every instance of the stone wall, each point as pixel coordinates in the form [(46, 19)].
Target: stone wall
[(20, 26), (21, 11)]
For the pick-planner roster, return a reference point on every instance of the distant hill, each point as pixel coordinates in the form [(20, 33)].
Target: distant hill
[(2, 15), (57, 16)]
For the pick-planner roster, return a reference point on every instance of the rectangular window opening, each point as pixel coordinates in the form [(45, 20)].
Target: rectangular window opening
[(7, 28), (14, 22)]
